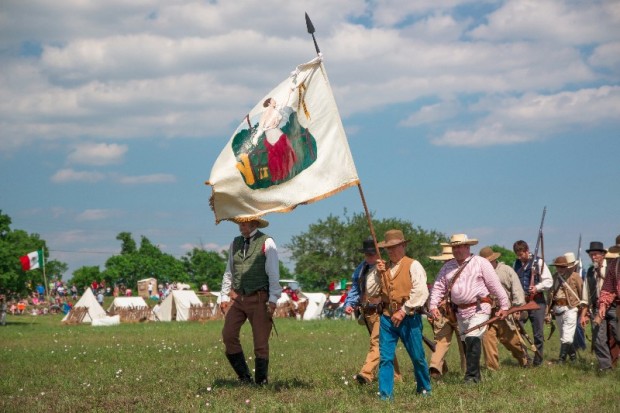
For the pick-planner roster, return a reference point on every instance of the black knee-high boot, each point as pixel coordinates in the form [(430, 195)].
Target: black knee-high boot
[(237, 361), (563, 353), (472, 357), (262, 368)]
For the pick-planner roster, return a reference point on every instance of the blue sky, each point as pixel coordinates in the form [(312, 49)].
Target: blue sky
[(462, 116)]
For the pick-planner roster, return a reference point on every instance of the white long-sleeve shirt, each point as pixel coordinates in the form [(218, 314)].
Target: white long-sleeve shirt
[(272, 268)]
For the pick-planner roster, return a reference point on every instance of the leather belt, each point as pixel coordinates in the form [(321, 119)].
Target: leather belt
[(536, 297), (486, 299), (370, 309)]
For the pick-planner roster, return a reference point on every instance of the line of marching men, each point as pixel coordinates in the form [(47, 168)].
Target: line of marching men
[(471, 290)]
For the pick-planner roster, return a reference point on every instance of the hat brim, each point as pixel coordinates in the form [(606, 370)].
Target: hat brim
[(262, 223), (468, 242), (615, 249), (493, 256), (393, 243), (367, 250), (567, 265), (443, 257), (604, 251)]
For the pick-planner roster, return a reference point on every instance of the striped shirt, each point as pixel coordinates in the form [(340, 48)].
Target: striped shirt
[(611, 285), (477, 279)]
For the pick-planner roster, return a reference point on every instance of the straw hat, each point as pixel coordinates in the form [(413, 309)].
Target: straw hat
[(446, 253), (611, 255), (489, 254), (392, 237), (565, 261), (461, 239), (261, 223), (615, 248)]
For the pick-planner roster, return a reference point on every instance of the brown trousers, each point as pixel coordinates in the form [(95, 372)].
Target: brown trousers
[(369, 369), (509, 338), (443, 331), (251, 307)]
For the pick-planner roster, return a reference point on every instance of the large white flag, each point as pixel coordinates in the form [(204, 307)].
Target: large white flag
[(290, 149)]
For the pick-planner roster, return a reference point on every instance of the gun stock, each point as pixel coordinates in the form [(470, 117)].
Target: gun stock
[(532, 305)]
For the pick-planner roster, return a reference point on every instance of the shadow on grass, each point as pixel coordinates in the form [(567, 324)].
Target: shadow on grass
[(276, 385)]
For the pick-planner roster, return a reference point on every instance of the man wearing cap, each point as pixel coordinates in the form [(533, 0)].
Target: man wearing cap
[(250, 290), (565, 298), (466, 282), (542, 282), (595, 278), (403, 291), (504, 330), (443, 329), (365, 294), (610, 293)]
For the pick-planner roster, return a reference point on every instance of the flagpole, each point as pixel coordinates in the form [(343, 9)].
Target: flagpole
[(372, 229), (311, 30), (47, 294)]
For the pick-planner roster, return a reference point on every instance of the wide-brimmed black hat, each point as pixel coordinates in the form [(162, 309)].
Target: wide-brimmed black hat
[(368, 246), (596, 246)]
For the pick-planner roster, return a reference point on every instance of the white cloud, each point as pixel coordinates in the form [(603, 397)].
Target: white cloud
[(179, 69), (536, 116), (97, 153), (70, 175), (485, 135), (97, 214), (555, 21), (147, 179), (607, 56), (433, 113)]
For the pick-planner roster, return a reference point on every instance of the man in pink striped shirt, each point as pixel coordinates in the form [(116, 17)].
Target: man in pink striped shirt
[(464, 283)]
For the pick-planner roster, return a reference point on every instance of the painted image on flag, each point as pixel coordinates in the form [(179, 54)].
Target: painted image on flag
[(273, 147), (290, 149)]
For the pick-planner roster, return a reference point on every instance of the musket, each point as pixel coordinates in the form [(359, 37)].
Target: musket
[(534, 264), (523, 333), (580, 267), (530, 306)]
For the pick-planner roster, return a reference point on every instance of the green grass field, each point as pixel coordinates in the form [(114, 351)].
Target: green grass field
[(180, 367)]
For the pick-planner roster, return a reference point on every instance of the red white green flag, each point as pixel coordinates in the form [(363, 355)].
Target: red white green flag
[(338, 285), (32, 261), (290, 149)]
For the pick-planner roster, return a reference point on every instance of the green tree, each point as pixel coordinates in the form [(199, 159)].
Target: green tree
[(146, 261), (84, 276), (508, 257), (205, 267), (14, 244), (329, 250)]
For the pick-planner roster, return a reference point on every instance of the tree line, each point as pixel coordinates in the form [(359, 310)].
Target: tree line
[(328, 251)]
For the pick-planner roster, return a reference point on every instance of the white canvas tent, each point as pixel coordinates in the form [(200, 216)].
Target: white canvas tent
[(316, 301), (176, 305), (127, 302), (95, 311)]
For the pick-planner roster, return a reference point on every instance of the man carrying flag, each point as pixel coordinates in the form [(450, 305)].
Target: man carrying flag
[(250, 290)]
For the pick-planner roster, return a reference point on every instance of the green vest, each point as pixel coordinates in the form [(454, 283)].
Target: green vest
[(248, 273)]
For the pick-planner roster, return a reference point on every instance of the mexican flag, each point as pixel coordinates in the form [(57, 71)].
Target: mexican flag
[(32, 261), (338, 285)]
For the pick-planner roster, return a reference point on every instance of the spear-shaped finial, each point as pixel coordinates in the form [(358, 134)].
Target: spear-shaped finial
[(311, 30)]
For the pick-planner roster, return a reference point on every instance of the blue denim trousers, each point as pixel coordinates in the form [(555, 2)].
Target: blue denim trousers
[(410, 332)]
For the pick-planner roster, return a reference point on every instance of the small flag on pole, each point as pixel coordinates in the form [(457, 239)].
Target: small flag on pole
[(32, 261), (291, 149)]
